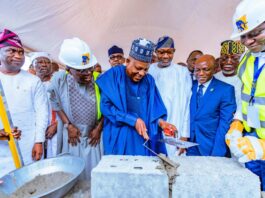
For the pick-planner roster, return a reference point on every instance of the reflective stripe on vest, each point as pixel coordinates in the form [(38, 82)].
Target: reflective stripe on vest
[(258, 100), (246, 73), (95, 76)]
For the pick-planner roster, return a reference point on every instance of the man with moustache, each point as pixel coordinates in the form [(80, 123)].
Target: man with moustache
[(174, 84), (132, 107), (76, 99), (27, 102), (211, 110), (231, 52), (42, 65), (246, 138), (116, 56)]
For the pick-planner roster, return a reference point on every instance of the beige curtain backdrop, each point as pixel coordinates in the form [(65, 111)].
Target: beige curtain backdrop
[(194, 24)]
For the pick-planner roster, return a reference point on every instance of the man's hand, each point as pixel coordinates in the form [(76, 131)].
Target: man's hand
[(3, 134), (73, 135), (182, 150), (15, 132), (94, 136), (37, 151), (51, 130), (235, 132), (169, 129), (141, 128), (248, 148)]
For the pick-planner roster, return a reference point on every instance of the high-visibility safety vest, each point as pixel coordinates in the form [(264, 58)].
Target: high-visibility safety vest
[(246, 74)]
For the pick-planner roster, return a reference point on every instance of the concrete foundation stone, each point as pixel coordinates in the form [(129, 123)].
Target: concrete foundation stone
[(214, 177), (129, 176)]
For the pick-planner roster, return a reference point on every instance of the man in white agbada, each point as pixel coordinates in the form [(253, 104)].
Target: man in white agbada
[(27, 102), (76, 99), (231, 52), (174, 84), (42, 64)]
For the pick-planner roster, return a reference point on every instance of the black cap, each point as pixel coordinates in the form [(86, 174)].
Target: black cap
[(114, 50)]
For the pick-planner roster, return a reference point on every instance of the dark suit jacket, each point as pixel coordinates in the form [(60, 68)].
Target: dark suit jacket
[(211, 121)]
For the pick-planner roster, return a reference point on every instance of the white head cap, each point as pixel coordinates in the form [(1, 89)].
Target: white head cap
[(34, 55)]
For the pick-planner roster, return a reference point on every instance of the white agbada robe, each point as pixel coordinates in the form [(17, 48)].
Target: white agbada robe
[(236, 82), (174, 84), (28, 106), (51, 143)]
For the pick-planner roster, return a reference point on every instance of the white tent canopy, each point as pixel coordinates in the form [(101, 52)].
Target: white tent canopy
[(194, 24)]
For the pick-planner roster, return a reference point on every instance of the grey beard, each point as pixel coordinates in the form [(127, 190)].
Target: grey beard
[(228, 72), (163, 65)]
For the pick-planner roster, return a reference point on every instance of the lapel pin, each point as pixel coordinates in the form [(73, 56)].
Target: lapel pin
[(212, 89)]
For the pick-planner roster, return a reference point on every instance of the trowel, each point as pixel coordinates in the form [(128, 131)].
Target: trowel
[(161, 156), (178, 143)]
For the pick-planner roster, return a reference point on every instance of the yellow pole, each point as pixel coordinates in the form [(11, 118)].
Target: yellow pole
[(7, 127)]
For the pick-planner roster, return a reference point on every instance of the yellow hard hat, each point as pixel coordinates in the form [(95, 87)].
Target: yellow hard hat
[(248, 15)]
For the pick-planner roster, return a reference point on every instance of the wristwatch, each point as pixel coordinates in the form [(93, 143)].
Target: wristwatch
[(66, 125)]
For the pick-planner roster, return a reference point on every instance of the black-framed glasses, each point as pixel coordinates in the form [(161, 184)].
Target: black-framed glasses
[(162, 52), (252, 34), (116, 57)]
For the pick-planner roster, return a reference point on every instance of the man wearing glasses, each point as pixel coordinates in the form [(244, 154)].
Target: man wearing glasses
[(174, 84), (246, 138), (231, 52), (116, 56), (76, 99)]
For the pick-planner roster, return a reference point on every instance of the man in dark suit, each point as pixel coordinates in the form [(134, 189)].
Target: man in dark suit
[(211, 110)]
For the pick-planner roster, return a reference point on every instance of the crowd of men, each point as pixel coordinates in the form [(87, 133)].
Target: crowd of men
[(218, 103)]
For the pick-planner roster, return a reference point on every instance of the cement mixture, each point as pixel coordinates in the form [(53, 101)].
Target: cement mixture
[(80, 190), (41, 184), (171, 168)]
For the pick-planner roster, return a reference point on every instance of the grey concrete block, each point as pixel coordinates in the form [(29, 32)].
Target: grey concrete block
[(214, 177), (129, 176)]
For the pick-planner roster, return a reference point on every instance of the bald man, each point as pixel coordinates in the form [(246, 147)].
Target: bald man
[(212, 107)]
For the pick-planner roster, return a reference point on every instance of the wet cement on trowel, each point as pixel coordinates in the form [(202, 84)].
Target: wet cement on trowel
[(171, 168), (42, 184)]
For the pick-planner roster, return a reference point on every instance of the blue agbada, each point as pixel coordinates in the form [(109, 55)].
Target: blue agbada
[(122, 102)]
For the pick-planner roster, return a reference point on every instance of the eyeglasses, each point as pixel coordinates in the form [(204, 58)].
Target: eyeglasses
[(81, 71), (162, 52), (116, 57), (252, 34)]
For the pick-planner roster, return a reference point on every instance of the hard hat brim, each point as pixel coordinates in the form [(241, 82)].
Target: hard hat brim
[(237, 35), (93, 61)]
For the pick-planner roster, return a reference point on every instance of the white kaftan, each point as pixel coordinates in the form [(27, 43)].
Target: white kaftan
[(28, 106), (174, 84)]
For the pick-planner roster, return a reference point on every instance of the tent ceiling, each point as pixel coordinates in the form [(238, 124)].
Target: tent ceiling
[(194, 24)]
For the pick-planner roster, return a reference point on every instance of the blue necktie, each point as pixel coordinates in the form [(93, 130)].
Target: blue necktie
[(199, 95)]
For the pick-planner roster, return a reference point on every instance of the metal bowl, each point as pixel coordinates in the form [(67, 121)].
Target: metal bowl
[(66, 163)]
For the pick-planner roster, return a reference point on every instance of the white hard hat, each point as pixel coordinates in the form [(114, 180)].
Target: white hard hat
[(34, 55), (248, 15), (76, 54)]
